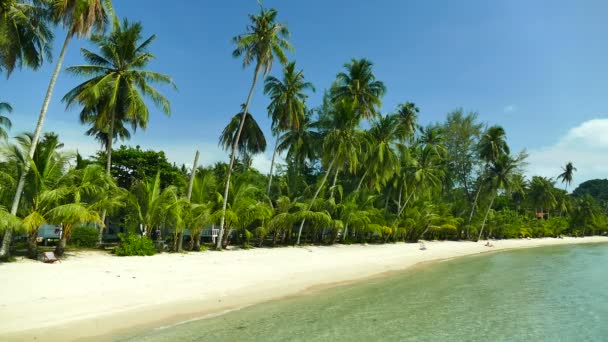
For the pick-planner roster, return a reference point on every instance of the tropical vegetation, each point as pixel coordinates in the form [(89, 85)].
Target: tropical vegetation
[(353, 171)]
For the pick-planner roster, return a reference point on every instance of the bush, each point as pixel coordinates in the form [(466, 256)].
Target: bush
[(131, 244), (84, 236)]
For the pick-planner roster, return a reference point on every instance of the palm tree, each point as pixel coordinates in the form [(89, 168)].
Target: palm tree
[(287, 108), (382, 160), (566, 175), (407, 118), (300, 143), (499, 177), (252, 140), (25, 38), (79, 17), (492, 145), (264, 39), (342, 145), (79, 198), (118, 85), (541, 194), (5, 122), (359, 86)]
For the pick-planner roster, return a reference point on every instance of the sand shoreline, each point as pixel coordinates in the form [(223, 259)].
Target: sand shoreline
[(92, 295)]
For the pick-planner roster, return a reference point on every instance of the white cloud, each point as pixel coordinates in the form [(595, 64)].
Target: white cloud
[(585, 145), (509, 108)]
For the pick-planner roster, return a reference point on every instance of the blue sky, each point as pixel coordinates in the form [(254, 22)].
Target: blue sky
[(538, 68)]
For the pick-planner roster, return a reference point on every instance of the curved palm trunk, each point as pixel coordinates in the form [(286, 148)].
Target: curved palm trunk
[(315, 197), (274, 153), (108, 170), (333, 183), (180, 235), (232, 157), (486, 217), (361, 181), (8, 235), (473, 211)]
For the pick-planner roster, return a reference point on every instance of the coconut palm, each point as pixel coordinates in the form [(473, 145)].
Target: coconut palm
[(79, 198), (566, 175), (287, 107), (492, 145), (406, 118), (118, 84), (25, 38), (359, 86), (541, 194), (381, 158), (79, 17), (252, 140), (5, 122), (500, 174), (300, 143), (264, 39)]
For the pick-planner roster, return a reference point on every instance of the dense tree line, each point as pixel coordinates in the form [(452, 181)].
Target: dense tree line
[(351, 172)]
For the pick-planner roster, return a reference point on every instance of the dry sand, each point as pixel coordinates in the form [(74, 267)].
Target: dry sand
[(94, 294)]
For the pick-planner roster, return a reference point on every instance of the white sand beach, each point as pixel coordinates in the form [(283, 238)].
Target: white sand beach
[(93, 293)]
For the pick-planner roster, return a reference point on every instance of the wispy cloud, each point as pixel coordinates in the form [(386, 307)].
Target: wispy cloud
[(510, 108), (585, 145)]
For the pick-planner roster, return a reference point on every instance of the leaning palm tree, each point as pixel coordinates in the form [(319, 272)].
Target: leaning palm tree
[(25, 38), (567, 174), (5, 122), (492, 145), (79, 17), (264, 39), (499, 176), (287, 108), (359, 86)]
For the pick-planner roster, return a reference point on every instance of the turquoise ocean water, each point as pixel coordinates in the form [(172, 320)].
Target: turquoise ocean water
[(540, 294)]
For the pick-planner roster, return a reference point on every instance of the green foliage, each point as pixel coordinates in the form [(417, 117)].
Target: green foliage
[(131, 164), (84, 236), (131, 244), (596, 188)]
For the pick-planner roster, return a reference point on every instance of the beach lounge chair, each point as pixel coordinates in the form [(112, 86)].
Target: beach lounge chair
[(49, 257)]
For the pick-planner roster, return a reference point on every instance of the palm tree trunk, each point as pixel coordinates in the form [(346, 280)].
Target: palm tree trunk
[(486, 217), (108, 170), (6, 242), (345, 232), (315, 197), (32, 244), (406, 202), (180, 241), (192, 175), (361, 181), (333, 184), (274, 153), (233, 155)]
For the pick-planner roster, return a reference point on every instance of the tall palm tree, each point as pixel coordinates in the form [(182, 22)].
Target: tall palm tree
[(381, 158), (499, 177), (25, 38), (567, 174), (118, 85), (358, 85), (5, 122), (264, 39), (492, 145), (342, 145), (79, 17), (407, 120), (287, 104), (542, 194)]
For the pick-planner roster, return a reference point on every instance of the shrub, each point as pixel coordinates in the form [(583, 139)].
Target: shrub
[(131, 244), (84, 236), (203, 248)]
